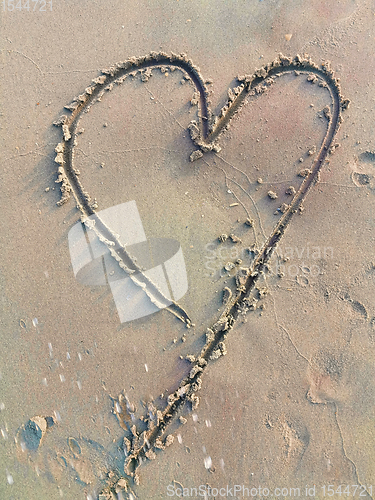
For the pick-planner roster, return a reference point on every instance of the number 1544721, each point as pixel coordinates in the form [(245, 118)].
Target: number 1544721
[(29, 5)]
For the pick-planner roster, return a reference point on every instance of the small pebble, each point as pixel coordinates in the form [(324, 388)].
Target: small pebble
[(304, 173), (272, 195), (229, 266), (284, 207)]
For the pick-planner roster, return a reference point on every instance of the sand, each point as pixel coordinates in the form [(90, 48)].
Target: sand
[(261, 166)]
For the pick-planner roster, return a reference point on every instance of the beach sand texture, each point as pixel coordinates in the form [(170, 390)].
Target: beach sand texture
[(243, 132)]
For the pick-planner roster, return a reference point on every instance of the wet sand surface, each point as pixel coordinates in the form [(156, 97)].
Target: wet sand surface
[(291, 404)]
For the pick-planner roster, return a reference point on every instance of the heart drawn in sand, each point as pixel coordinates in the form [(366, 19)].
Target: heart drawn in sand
[(205, 134)]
